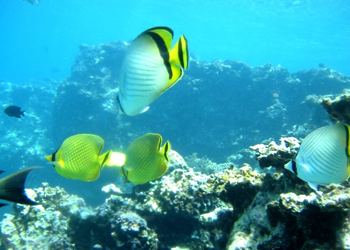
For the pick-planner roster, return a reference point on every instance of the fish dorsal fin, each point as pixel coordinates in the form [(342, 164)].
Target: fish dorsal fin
[(162, 36)]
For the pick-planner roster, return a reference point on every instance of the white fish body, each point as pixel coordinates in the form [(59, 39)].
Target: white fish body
[(323, 157), (149, 69), (143, 77)]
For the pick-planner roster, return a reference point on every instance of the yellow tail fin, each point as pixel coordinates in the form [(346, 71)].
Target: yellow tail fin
[(179, 54), (116, 159), (165, 150)]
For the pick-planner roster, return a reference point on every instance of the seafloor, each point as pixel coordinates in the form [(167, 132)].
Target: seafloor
[(219, 112)]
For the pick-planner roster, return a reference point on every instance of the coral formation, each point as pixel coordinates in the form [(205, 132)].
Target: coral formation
[(237, 208), (276, 155), (198, 205), (337, 107)]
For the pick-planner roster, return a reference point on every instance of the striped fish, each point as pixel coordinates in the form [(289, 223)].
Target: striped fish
[(323, 157), (150, 68)]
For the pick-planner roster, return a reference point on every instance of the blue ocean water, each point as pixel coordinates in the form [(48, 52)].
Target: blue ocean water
[(41, 41)]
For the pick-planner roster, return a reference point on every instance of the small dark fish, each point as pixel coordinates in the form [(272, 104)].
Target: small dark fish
[(14, 111), (12, 187)]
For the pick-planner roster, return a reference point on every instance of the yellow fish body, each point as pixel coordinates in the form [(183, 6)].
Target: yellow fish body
[(150, 68), (79, 157), (146, 160)]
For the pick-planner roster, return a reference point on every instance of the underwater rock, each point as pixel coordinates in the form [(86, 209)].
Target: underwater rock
[(43, 226), (337, 107), (319, 220), (237, 208), (276, 155), (99, 61), (323, 80)]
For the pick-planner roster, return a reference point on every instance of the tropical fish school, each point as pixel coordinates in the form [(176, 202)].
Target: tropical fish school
[(150, 67)]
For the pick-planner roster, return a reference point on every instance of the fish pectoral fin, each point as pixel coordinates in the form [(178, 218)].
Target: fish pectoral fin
[(144, 110), (179, 54), (313, 185), (116, 159), (12, 187)]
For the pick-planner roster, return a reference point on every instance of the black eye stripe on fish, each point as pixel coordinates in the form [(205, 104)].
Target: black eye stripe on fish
[(347, 152), (54, 155), (163, 51)]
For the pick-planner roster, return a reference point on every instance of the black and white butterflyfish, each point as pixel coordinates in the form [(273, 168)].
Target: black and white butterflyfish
[(323, 156), (150, 67)]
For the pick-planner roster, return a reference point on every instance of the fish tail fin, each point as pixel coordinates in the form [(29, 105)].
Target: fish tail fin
[(104, 158), (22, 114), (178, 60), (163, 166), (12, 187), (165, 150), (179, 54), (116, 159)]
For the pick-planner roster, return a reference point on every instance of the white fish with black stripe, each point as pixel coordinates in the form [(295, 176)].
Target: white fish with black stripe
[(323, 156), (150, 68)]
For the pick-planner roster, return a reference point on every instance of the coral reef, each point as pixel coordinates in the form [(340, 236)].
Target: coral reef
[(237, 208), (337, 107), (276, 155), (198, 205)]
